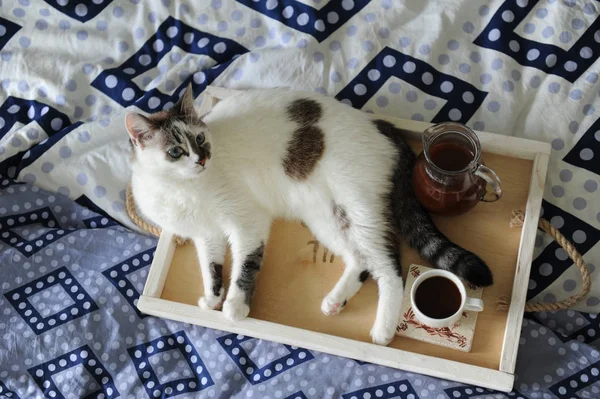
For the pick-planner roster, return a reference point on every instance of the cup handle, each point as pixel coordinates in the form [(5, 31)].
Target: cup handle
[(474, 305), (492, 179)]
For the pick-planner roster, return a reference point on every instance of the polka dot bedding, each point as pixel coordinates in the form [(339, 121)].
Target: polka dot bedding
[(72, 270)]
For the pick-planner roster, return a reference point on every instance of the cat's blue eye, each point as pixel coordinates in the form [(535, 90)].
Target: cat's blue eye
[(200, 139), (175, 152)]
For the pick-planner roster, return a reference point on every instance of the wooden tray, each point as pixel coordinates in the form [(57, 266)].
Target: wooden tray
[(286, 305)]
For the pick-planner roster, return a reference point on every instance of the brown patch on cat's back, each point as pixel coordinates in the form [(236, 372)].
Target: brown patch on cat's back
[(304, 151), (304, 111)]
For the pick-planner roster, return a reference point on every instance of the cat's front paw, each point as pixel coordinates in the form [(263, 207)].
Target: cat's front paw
[(235, 309), (210, 302), (381, 335), (331, 307)]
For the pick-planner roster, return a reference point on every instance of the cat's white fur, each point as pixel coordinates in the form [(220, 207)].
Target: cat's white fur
[(243, 187)]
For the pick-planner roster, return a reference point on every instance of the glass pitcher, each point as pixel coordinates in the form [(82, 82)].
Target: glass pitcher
[(449, 177)]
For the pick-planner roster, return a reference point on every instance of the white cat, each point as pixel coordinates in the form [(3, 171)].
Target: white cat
[(276, 153)]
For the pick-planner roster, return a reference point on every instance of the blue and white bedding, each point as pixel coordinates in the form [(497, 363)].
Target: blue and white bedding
[(71, 270)]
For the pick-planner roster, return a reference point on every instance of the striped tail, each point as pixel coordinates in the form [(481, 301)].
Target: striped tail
[(415, 224)]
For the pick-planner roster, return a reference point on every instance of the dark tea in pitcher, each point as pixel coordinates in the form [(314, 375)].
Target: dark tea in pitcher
[(451, 156), (448, 177)]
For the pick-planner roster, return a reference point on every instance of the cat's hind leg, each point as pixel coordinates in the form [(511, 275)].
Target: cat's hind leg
[(211, 254), (331, 227), (347, 286), (380, 255)]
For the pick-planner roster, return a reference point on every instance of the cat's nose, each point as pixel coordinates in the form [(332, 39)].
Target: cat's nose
[(201, 161)]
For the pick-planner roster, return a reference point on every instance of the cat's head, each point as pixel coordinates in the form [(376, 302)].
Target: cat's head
[(174, 142)]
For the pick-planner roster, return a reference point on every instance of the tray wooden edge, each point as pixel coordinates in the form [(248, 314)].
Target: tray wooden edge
[(516, 311), (311, 340), (502, 379), (163, 256)]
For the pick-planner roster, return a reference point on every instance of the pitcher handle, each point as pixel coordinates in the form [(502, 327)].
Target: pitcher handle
[(492, 180)]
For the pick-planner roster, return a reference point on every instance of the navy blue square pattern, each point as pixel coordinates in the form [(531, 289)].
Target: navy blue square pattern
[(102, 219), (83, 303), (468, 391), (117, 83), (399, 389), (553, 261), (24, 159), (7, 182), (499, 35), (297, 395), (7, 31), (569, 387), (587, 148), (41, 216), (5, 392), (19, 110), (463, 99), (81, 10), (304, 18), (586, 332), (15, 109), (140, 355), (232, 345), (42, 374), (117, 275)]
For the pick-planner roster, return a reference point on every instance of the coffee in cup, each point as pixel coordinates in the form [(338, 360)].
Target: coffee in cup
[(438, 299)]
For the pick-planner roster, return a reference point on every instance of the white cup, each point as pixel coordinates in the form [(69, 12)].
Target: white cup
[(467, 303)]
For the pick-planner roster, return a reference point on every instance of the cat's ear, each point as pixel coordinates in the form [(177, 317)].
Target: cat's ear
[(185, 106), (138, 127)]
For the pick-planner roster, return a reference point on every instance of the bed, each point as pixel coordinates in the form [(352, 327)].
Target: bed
[(72, 264)]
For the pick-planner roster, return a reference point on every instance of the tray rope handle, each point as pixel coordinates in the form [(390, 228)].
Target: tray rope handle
[(503, 302), (139, 221)]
